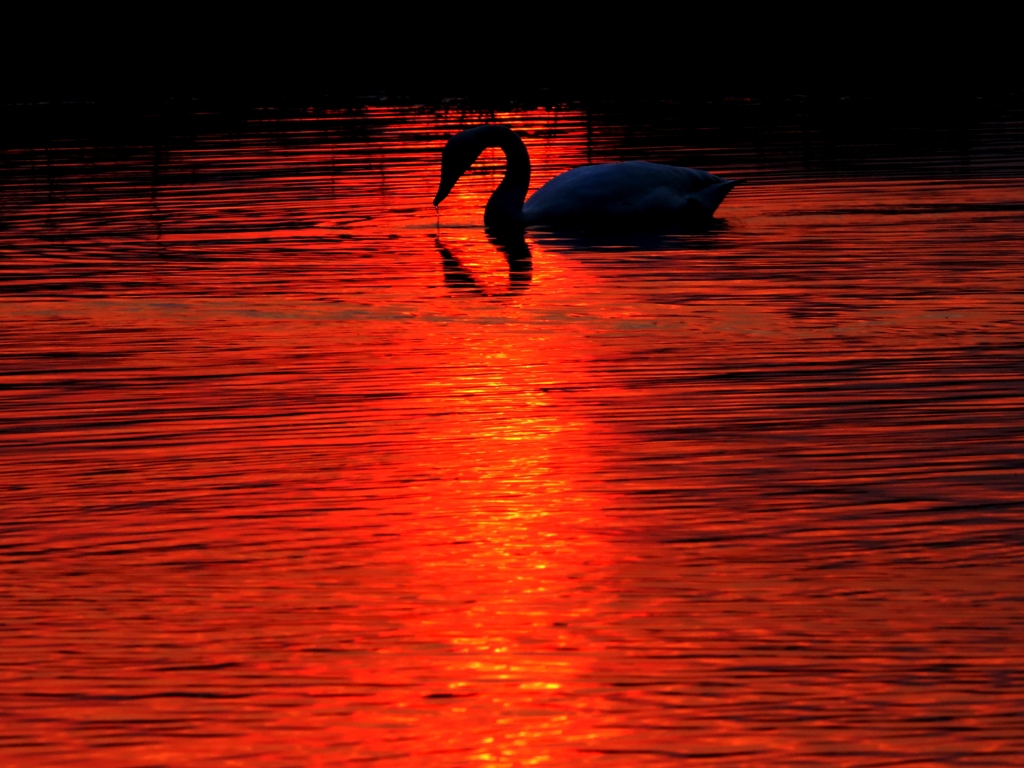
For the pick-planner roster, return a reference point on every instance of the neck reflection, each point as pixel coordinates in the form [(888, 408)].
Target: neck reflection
[(510, 244)]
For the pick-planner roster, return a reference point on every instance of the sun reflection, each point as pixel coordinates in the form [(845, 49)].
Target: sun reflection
[(525, 535)]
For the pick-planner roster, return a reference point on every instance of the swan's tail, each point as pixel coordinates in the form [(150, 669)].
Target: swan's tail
[(709, 198)]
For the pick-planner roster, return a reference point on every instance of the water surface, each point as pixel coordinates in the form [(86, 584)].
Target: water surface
[(296, 471)]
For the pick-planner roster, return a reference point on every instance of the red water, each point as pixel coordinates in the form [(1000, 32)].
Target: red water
[(296, 472)]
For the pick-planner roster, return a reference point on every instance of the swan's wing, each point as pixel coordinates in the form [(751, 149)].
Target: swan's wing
[(623, 190)]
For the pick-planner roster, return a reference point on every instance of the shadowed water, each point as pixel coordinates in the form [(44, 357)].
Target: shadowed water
[(296, 471)]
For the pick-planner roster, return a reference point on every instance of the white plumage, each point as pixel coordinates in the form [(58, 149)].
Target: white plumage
[(633, 189)]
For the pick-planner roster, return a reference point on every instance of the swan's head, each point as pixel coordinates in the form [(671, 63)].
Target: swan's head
[(460, 153)]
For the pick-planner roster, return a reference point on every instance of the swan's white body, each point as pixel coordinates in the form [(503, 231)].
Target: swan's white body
[(630, 190), (590, 196)]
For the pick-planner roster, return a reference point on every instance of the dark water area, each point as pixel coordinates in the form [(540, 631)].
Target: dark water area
[(296, 471)]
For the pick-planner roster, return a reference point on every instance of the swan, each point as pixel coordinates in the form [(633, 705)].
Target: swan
[(589, 196)]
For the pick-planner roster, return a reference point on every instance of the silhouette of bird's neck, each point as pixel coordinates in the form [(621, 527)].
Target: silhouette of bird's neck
[(505, 208)]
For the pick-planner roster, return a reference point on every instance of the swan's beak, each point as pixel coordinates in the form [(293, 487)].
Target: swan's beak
[(458, 155), (447, 182), (441, 195)]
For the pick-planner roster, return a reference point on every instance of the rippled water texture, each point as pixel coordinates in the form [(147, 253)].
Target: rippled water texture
[(296, 472)]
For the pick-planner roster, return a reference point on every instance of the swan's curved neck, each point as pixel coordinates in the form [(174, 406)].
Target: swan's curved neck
[(505, 208)]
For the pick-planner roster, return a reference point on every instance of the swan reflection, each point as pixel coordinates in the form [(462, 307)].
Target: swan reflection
[(511, 244), (630, 239)]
